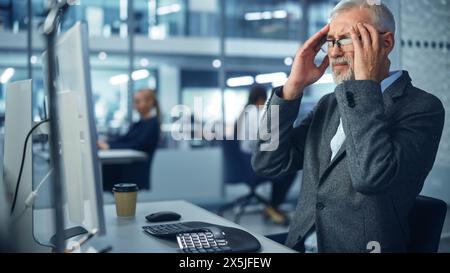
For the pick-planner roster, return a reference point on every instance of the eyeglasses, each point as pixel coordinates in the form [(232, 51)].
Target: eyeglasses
[(344, 43)]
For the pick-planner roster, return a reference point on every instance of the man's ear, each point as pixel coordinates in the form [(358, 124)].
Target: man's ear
[(388, 42)]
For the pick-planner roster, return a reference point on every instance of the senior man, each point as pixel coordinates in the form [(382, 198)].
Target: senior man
[(366, 149)]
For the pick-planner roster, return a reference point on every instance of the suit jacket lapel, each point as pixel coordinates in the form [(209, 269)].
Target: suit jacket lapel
[(340, 154), (329, 132), (395, 90)]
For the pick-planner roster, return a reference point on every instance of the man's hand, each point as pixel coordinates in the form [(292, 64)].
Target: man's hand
[(370, 59), (102, 145), (304, 71)]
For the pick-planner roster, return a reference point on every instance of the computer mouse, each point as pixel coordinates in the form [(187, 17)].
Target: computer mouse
[(163, 216)]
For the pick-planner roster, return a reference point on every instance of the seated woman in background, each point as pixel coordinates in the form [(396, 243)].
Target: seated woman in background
[(143, 136), (280, 185)]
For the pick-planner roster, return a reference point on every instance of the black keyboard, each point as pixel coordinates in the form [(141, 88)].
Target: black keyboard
[(171, 230), (201, 237), (205, 240)]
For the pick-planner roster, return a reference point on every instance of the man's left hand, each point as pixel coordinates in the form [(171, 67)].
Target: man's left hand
[(370, 59)]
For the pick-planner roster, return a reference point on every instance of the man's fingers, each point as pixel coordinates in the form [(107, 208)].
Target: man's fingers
[(325, 63), (374, 35), (365, 37), (316, 38), (320, 44), (356, 42)]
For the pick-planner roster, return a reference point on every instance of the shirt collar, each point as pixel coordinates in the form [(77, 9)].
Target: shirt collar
[(393, 76)]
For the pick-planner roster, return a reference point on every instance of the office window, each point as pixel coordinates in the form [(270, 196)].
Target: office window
[(263, 19), (174, 18), (39, 92), (201, 93), (318, 15), (160, 19), (9, 74), (13, 16), (13, 67), (203, 18), (105, 18), (109, 74)]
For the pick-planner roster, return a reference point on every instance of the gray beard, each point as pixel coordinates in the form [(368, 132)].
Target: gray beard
[(338, 76)]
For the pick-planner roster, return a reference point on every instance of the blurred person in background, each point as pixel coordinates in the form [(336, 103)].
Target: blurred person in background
[(142, 136), (280, 185)]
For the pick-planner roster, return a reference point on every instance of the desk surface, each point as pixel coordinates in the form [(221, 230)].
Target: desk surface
[(126, 235), (120, 156), (108, 157)]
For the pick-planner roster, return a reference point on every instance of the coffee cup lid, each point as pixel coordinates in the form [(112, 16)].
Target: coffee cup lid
[(125, 187)]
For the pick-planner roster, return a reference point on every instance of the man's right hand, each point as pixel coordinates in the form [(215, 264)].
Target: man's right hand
[(304, 71)]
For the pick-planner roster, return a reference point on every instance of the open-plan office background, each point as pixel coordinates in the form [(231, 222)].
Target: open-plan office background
[(215, 50)]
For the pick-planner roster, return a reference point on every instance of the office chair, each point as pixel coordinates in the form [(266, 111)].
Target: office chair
[(426, 221), (237, 169), (278, 237), (138, 173)]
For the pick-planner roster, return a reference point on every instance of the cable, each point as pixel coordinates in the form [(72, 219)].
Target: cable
[(23, 162), (83, 240), (32, 196), (106, 249)]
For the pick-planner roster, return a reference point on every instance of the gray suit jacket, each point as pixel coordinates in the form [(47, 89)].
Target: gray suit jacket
[(366, 192)]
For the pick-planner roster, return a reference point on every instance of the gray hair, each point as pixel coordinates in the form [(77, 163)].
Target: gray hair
[(382, 17)]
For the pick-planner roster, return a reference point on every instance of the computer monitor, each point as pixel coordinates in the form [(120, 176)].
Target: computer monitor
[(4, 219), (78, 136), (18, 123)]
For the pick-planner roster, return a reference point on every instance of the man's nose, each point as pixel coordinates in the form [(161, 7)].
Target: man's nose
[(335, 51)]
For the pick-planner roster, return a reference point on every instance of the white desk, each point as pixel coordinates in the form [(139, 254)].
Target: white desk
[(119, 156), (126, 235), (109, 157)]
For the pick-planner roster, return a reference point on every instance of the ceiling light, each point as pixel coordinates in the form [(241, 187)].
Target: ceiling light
[(240, 81)]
